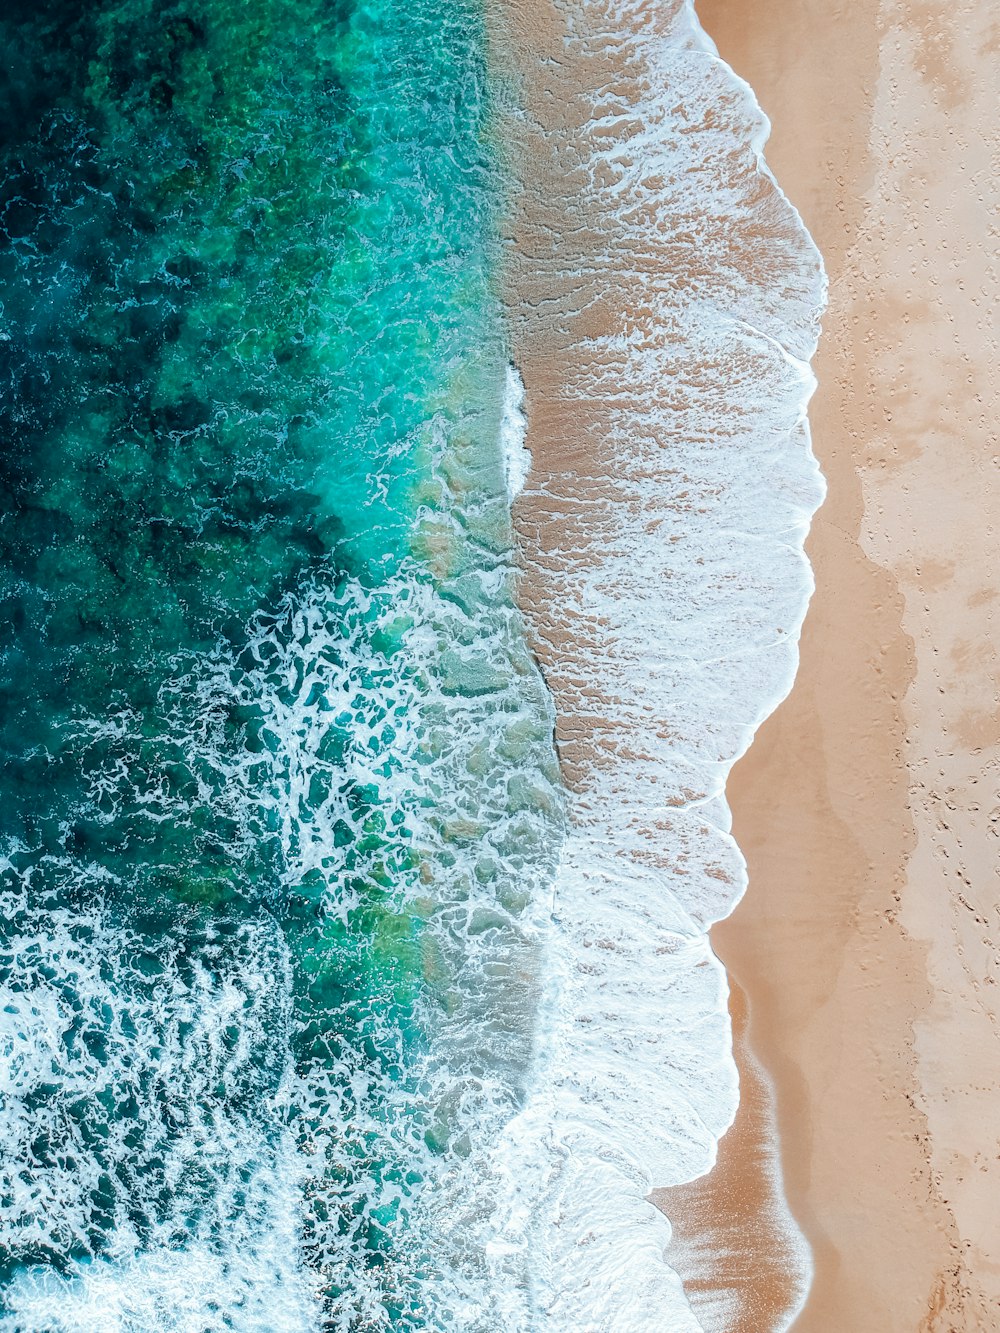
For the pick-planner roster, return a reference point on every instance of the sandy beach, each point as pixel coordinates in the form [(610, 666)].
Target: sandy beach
[(863, 957), (867, 806)]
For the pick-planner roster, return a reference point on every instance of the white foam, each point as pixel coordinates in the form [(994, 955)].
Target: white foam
[(513, 434), (692, 608), (451, 727), (258, 1287)]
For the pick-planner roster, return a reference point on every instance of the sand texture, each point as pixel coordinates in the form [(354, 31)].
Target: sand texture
[(868, 806)]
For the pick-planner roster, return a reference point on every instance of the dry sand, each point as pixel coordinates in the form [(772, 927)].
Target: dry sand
[(868, 806)]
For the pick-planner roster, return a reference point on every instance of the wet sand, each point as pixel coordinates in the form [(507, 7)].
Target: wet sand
[(868, 805), (731, 1242)]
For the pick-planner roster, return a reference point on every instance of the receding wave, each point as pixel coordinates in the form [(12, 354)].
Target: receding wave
[(666, 300)]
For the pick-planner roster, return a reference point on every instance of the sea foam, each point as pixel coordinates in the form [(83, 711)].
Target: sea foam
[(666, 596), (361, 1128), (514, 434)]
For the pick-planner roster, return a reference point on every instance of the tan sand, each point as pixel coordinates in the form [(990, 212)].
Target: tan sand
[(868, 806)]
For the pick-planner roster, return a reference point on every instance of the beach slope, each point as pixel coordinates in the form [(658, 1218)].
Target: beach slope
[(867, 805)]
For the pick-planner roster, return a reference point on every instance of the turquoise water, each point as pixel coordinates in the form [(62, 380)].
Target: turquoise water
[(279, 800)]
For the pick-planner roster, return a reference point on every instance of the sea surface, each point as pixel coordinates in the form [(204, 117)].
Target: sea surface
[(289, 878), (279, 795)]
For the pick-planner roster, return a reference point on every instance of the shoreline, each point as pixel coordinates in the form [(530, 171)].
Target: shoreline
[(868, 975), (734, 1242), (663, 583)]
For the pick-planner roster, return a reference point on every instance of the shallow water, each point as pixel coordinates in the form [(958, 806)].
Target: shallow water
[(666, 304)]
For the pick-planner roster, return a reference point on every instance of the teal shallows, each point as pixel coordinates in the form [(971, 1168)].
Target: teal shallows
[(279, 793)]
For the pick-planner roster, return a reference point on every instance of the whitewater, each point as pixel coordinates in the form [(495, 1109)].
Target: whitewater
[(666, 299)]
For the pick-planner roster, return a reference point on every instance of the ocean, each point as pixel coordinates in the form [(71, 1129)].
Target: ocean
[(297, 1028)]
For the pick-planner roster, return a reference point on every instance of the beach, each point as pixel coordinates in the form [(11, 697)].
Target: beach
[(866, 806), (435, 890)]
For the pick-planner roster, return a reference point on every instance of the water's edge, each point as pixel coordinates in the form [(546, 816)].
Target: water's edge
[(617, 1139)]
